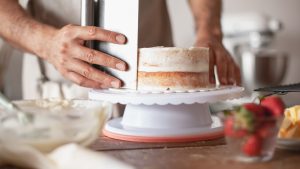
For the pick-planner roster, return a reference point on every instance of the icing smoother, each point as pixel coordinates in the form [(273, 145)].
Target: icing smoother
[(159, 59)]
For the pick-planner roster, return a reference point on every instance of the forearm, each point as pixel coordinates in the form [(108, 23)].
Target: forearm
[(21, 30), (207, 14)]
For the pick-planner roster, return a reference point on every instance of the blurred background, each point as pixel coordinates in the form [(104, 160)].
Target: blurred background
[(264, 34), (282, 44)]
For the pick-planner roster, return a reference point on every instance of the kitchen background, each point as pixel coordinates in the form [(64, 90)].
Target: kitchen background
[(288, 40)]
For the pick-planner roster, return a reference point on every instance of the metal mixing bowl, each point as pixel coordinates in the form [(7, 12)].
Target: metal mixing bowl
[(262, 67)]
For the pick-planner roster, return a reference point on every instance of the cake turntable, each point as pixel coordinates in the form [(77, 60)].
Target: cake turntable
[(180, 116)]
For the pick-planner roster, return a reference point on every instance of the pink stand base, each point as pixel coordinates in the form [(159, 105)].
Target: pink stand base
[(211, 136)]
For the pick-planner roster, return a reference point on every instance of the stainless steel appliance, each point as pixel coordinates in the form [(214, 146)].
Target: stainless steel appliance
[(121, 16), (250, 38)]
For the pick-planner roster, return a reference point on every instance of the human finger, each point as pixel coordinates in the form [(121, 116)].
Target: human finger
[(231, 72), (96, 57), (81, 80), (94, 33), (222, 64), (89, 72), (212, 63)]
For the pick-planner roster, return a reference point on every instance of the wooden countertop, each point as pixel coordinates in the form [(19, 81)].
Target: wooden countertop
[(205, 154)]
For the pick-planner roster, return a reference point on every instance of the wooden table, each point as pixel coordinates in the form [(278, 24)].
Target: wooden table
[(205, 154)]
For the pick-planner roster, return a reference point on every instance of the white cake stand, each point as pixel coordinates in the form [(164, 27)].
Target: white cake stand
[(166, 116)]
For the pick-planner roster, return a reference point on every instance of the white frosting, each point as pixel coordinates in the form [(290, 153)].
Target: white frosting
[(173, 59)]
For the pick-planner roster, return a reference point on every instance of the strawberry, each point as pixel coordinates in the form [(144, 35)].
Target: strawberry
[(257, 110), (273, 104), (265, 129), (230, 130), (239, 133), (252, 146)]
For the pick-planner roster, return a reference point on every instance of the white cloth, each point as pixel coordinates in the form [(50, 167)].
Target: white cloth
[(70, 156), (154, 30)]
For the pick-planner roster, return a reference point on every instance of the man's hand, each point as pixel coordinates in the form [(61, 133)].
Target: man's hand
[(64, 48), (66, 51), (207, 14), (227, 70)]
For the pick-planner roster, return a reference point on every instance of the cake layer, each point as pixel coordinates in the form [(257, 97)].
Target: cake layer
[(172, 80), (173, 59)]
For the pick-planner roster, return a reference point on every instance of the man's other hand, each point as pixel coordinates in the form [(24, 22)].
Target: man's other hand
[(66, 51), (227, 69)]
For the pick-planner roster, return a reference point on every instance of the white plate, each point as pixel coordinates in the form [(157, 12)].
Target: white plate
[(289, 144), (176, 98)]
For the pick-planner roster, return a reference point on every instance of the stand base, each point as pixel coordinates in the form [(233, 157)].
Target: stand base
[(166, 117), (114, 129)]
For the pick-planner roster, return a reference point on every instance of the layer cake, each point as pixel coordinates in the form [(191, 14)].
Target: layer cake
[(162, 68)]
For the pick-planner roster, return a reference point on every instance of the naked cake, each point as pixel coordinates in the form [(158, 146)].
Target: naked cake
[(162, 68)]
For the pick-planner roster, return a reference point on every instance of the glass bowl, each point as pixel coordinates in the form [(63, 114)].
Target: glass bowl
[(54, 123), (255, 145)]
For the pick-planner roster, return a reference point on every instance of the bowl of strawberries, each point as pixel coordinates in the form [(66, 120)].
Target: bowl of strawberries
[(251, 129)]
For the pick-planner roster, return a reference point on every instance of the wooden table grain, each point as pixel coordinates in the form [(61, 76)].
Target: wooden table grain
[(212, 154)]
